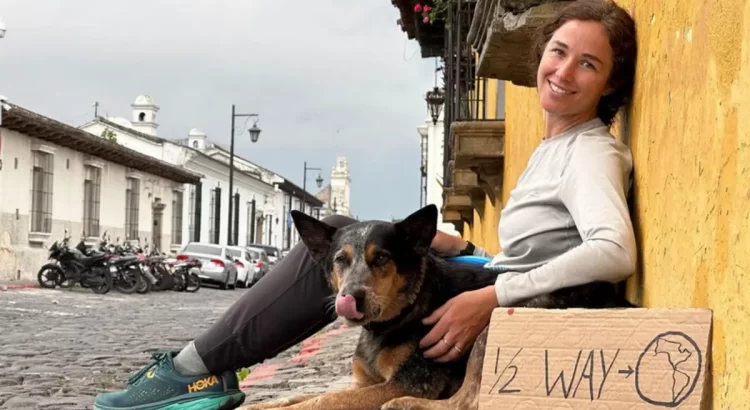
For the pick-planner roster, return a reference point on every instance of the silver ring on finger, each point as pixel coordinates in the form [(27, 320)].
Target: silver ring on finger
[(457, 349)]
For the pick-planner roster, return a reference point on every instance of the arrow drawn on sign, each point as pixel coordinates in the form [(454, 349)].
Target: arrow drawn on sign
[(629, 371)]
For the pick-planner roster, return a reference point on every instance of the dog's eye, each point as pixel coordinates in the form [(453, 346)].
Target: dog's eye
[(340, 258), (382, 260)]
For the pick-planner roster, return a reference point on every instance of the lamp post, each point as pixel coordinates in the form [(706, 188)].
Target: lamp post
[(424, 134), (254, 135), (318, 180), (435, 100)]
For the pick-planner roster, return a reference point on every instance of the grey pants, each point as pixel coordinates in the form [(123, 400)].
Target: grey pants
[(285, 307)]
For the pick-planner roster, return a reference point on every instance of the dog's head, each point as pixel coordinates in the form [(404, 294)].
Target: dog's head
[(375, 268)]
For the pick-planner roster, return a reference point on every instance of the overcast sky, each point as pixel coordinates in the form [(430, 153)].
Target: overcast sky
[(329, 78)]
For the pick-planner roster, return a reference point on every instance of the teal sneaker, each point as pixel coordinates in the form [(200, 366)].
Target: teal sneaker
[(158, 386)]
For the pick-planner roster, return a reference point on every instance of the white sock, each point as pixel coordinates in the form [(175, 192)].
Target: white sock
[(189, 363)]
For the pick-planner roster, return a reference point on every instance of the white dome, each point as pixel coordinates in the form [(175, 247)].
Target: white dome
[(195, 132), (144, 99), (121, 121)]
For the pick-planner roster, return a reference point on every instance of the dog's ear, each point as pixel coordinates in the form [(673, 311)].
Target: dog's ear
[(419, 228), (316, 235)]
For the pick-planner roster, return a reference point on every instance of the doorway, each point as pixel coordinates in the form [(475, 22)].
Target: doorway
[(156, 227), (259, 229)]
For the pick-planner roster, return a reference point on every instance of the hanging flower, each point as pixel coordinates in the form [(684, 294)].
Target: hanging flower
[(426, 20), (426, 8), (418, 8)]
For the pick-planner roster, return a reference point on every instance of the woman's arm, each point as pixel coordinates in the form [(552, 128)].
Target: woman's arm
[(594, 192), (451, 245)]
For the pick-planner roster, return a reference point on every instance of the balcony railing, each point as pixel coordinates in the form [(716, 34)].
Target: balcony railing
[(465, 94)]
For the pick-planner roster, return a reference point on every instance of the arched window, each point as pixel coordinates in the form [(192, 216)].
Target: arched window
[(195, 144), (142, 117)]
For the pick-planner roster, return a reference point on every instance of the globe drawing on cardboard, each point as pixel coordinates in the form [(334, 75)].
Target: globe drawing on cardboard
[(668, 369)]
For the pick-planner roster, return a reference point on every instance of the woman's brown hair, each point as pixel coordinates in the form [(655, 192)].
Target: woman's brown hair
[(622, 38)]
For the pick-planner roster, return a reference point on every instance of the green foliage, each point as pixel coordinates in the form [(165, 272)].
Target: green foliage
[(439, 10), (242, 373), (109, 135)]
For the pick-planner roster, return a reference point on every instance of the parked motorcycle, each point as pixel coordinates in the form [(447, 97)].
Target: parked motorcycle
[(126, 275), (70, 266), (185, 271)]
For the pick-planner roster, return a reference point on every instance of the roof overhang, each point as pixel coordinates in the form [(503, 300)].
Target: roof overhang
[(44, 128)]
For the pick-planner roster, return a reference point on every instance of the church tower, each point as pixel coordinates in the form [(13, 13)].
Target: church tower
[(144, 115), (340, 183), (197, 139)]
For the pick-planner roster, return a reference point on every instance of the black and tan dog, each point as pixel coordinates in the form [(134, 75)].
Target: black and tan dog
[(386, 281)]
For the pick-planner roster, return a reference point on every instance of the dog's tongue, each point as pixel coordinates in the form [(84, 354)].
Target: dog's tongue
[(346, 306)]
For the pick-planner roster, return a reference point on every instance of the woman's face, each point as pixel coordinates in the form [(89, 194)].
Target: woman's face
[(574, 69)]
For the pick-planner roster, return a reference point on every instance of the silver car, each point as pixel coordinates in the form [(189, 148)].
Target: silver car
[(218, 266), (273, 253), (260, 262)]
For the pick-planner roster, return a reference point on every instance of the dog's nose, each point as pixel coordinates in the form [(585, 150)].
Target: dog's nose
[(359, 297)]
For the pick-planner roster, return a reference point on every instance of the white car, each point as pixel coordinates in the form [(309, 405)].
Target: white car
[(245, 264)]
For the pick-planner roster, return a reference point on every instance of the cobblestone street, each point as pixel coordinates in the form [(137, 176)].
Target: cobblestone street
[(61, 348)]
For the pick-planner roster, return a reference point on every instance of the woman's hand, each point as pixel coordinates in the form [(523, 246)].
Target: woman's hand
[(459, 322), (448, 245)]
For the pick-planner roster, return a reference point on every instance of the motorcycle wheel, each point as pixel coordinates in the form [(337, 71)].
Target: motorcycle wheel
[(129, 281), (193, 283), (165, 279), (50, 276), (145, 285), (178, 282), (101, 285)]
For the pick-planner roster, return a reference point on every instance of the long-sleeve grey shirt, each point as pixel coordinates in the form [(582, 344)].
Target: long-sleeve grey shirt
[(566, 222)]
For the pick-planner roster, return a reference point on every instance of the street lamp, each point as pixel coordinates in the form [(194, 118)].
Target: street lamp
[(254, 135), (3, 28), (435, 100), (318, 180)]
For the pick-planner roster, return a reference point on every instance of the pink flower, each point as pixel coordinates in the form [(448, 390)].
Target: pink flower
[(426, 20), (418, 8), (426, 8)]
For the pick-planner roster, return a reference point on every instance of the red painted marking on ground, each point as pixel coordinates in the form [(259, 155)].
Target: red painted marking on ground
[(262, 372), (309, 348), (18, 287), (511, 311)]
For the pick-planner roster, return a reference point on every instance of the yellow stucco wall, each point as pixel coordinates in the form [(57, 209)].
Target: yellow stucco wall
[(689, 131)]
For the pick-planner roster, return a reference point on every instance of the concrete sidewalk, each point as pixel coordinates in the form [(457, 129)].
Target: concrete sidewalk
[(319, 364)]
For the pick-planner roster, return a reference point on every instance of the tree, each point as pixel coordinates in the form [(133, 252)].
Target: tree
[(109, 135)]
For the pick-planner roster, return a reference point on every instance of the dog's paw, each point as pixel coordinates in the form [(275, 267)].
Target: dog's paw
[(405, 403)]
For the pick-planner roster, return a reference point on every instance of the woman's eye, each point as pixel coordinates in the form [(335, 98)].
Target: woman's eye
[(589, 65)]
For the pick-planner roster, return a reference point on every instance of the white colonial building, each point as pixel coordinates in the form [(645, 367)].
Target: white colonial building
[(261, 198), (432, 144), (54, 177)]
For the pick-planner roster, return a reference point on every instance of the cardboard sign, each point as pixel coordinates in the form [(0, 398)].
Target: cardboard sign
[(612, 359)]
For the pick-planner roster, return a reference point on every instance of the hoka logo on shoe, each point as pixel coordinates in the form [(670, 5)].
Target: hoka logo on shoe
[(202, 384)]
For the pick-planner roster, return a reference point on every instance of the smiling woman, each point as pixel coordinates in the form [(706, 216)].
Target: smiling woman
[(566, 222)]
